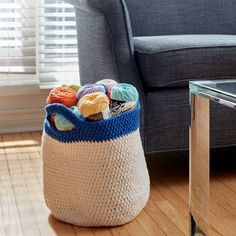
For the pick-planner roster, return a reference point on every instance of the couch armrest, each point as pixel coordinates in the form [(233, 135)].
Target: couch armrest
[(105, 44), (105, 35)]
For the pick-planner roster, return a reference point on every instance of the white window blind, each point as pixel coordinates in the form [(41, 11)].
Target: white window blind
[(17, 38), (38, 39), (57, 43)]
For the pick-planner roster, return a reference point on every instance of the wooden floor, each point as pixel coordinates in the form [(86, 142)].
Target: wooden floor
[(23, 211)]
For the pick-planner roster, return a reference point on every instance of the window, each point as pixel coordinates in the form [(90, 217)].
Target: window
[(57, 43), (38, 41), (17, 40)]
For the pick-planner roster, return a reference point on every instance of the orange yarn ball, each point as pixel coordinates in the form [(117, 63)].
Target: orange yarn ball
[(63, 95)]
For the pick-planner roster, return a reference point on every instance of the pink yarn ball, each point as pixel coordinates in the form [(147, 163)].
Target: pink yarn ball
[(109, 83), (109, 92)]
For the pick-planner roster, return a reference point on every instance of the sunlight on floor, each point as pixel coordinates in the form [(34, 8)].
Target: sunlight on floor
[(17, 143)]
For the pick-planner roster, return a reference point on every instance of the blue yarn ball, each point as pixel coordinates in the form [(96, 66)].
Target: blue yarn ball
[(124, 92)]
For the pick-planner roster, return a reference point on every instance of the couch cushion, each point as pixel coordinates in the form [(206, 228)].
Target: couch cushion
[(175, 17), (172, 61)]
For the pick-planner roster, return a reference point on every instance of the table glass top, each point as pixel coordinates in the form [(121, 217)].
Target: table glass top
[(221, 91)]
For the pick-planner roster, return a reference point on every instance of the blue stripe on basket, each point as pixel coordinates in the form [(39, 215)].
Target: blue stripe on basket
[(96, 131)]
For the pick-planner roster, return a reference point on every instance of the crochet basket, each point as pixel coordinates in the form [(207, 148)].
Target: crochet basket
[(95, 175)]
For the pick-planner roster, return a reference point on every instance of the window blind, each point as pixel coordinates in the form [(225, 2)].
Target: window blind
[(38, 40), (17, 37), (57, 43)]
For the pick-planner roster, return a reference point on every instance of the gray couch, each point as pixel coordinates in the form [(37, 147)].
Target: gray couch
[(158, 46)]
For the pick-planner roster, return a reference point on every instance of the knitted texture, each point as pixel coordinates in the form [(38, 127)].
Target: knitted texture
[(98, 131), (95, 183)]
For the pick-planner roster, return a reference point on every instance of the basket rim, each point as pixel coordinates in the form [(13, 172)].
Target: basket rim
[(96, 131)]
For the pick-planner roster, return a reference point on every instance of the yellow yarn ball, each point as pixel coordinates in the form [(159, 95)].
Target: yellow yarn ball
[(93, 103)]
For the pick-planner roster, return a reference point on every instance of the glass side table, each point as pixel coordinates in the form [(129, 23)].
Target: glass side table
[(201, 93)]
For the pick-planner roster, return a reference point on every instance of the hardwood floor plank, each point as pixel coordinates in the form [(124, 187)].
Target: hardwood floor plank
[(60, 228), (134, 228), (219, 224), (179, 207), (32, 170), (167, 208), (213, 232), (24, 207), (222, 192), (3, 171), (11, 218), (161, 219), (2, 147), (102, 232), (168, 194), (23, 210), (2, 232), (183, 191), (81, 231), (119, 231), (174, 216), (149, 225)]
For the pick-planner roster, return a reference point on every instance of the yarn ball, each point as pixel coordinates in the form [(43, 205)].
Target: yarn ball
[(95, 117), (124, 92), (63, 124), (77, 112), (90, 88), (109, 83), (72, 86), (109, 92), (63, 95), (93, 103)]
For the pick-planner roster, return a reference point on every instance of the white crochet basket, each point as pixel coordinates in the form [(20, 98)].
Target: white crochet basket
[(95, 175)]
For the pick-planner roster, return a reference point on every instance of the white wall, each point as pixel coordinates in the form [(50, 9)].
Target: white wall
[(23, 112)]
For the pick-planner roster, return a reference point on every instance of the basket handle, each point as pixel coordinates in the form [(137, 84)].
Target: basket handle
[(63, 110)]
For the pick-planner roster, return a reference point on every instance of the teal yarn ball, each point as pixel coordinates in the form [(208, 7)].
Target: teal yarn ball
[(63, 124), (124, 92), (77, 112)]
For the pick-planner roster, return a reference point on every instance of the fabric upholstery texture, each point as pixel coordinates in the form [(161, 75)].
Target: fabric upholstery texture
[(170, 61), (168, 121), (175, 17), (106, 51)]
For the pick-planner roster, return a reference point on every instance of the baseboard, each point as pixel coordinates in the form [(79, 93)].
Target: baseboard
[(21, 120)]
